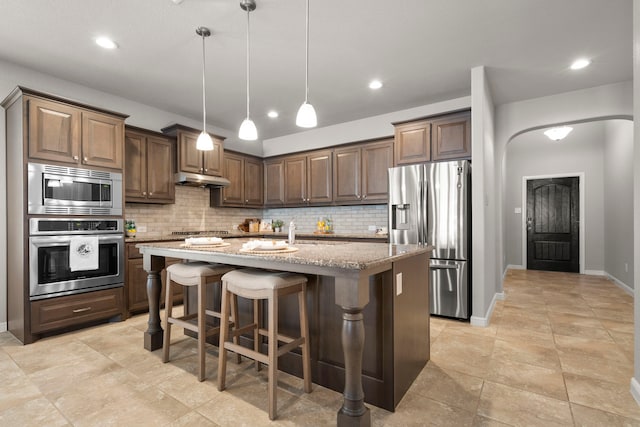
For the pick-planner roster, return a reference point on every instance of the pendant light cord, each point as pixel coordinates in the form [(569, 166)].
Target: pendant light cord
[(306, 66), (204, 103), (248, 61)]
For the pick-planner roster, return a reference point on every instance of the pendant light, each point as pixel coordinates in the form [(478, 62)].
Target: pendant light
[(248, 130), (306, 117), (204, 141)]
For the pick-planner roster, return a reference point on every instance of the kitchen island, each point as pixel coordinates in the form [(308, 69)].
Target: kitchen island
[(354, 286)]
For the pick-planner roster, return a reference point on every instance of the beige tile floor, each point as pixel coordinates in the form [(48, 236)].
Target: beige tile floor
[(559, 351)]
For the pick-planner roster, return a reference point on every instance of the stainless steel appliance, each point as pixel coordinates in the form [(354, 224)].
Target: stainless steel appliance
[(62, 190), (50, 243), (430, 204)]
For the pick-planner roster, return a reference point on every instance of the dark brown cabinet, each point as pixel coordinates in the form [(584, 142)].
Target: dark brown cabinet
[(65, 133), (451, 137), (149, 160), (189, 158), (445, 137), (274, 182), (360, 172), (135, 284), (309, 178), (246, 176)]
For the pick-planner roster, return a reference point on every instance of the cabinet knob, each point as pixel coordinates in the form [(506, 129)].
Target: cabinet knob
[(144, 193), (206, 170), (86, 159), (364, 197), (201, 169), (151, 194), (75, 157), (246, 201)]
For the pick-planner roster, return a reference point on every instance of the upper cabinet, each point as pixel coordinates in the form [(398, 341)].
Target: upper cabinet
[(452, 137), (308, 178), (359, 172), (66, 133), (438, 138), (274, 182), (246, 188), (189, 158), (413, 142), (149, 160)]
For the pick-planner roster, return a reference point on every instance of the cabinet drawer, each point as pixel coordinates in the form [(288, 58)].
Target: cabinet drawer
[(56, 313)]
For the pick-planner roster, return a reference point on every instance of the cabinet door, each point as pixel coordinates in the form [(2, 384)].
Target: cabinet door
[(346, 174), (377, 158), (253, 185), (136, 285), (102, 140), (135, 167), (319, 177), (295, 169), (189, 157), (54, 131), (451, 137), (234, 172), (412, 142), (160, 185), (274, 182), (213, 159)]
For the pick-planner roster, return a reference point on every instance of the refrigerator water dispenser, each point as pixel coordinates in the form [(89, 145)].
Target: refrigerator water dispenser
[(400, 217)]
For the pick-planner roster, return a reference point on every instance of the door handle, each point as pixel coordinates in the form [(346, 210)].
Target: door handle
[(529, 224)]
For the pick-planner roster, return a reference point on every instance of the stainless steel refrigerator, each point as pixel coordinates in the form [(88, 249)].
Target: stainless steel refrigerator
[(431, 204)]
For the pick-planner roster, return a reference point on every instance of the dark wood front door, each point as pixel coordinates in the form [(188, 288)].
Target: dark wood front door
[(553, 224)]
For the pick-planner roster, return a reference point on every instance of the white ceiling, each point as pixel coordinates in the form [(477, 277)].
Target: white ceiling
[(422, 50)]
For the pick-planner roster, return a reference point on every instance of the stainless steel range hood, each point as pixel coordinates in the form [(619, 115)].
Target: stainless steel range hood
[(197, 180)]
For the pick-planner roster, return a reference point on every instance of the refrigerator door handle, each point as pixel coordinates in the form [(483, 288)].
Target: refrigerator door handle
[(444, 267), (420, 212)]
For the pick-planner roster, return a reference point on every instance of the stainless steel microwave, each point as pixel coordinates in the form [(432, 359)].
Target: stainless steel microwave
[(62, 190)]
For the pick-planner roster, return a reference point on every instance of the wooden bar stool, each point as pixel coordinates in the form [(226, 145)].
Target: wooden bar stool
[(259, 285), (193, 274)]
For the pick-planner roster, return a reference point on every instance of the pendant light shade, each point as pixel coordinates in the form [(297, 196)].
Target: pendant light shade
[(306, 117), (558, 133), (204, 141), (248, 131)]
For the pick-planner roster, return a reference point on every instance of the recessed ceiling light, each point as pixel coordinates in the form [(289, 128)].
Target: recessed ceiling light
[(106, 43), (176, 1), (556, 134), (375, 84), (273, 114), (581, 63)]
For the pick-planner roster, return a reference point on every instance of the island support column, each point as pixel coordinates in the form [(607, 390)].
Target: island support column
[(352, 294), (153, 335)]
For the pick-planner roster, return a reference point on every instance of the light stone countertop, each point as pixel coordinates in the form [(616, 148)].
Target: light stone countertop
[(142, 237), (325, 254)]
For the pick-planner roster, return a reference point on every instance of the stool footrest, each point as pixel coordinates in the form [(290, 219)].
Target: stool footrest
[(290, 346), (183, 323), (242, 330), (282, 338), (238, 349)]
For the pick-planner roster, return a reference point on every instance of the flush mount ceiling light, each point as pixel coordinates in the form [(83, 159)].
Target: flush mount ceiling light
[(375, 84), (248, 130), (106, 43), (306, 117), (556, 134), (581, 63), (273, 114), (204, 141)]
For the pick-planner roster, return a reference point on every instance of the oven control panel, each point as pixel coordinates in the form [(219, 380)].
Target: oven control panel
[(46, 226)]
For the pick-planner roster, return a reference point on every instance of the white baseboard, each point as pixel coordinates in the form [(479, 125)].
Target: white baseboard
[(3, 326), (515, 267), (620, 284), (635, 390), (595, 273), (484, 321)]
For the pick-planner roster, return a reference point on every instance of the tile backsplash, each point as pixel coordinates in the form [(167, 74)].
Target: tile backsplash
[(192, 212)]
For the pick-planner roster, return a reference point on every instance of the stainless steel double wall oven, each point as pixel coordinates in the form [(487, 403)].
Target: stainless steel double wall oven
[(62, 194)]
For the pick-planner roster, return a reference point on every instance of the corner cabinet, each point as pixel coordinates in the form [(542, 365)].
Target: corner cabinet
[(246, 188), (445, 137), (149, 160), (309, 179), (189, 158), (66, 133)]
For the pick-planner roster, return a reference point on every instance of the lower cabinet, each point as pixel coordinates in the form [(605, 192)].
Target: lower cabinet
[(57, 313), (136, 282)]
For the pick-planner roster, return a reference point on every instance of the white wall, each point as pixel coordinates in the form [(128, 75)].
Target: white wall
[(533, 154), (635, 384), (618, 201), (485, 286), (358, 130)]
